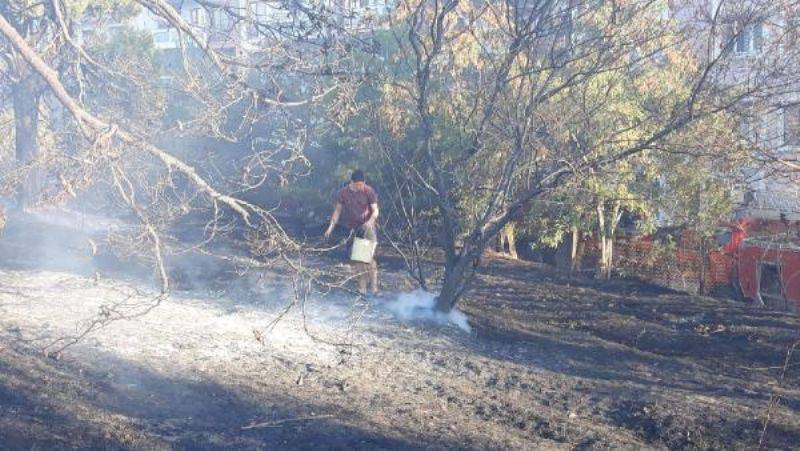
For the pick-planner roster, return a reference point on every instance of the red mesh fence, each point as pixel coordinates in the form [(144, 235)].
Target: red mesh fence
[(679, 266)]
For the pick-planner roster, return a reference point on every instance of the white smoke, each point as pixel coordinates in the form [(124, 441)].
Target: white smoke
[(420, 305)]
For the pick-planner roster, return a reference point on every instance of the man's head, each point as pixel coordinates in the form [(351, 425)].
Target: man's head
[(357, 179)]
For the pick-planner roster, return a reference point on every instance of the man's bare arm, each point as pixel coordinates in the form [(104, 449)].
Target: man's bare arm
[(337, 210), (373, 218)]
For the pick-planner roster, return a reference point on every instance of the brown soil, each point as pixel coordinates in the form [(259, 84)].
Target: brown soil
[(551, 363)]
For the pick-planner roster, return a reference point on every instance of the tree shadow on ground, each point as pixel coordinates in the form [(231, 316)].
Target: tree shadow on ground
[(669, 326), (611, 355), (56, 405), (30, 417), (698, 330), (585, 358)]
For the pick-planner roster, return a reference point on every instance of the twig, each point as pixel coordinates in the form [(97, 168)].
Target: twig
[(767, 368), (276, 423), (775, 399)]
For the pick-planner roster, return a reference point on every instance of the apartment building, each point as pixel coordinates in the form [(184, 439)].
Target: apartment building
[(240, 24), (755, 39)]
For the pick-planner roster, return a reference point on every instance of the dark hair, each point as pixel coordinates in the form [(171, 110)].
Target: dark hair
[(357, 176)]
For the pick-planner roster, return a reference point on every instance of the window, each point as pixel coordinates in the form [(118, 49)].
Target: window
[(747, 117), (259, 16), (564, 24), (792, 28), (222, 21), (162, 37), (750, 39), (198, 16), (791, 125), (260, 10)]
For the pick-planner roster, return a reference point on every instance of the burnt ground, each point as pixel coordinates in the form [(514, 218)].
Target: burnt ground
[(550, 363)]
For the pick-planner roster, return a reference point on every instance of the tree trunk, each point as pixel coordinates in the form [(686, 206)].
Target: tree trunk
[(456, 277), (616, 214), (601, 240), (573, 255), (26, 127), (508, 237), (607, 231), (604, 264), (702, 285), (609, 263)]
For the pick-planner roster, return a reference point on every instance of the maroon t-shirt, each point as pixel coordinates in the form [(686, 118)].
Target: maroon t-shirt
[(356, 205)]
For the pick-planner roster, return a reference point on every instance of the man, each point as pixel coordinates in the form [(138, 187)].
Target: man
[(357, 210)]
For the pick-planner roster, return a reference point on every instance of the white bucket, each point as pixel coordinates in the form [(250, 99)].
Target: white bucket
[(363, 250)]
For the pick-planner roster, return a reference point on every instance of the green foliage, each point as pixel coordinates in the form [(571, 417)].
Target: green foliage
[(99, 8), (597, 118), (696, 191), (127, 91)]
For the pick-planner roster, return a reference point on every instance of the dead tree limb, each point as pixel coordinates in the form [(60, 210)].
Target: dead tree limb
[(94, 126)]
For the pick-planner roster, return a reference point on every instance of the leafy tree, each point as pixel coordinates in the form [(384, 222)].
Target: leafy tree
[(481, 87)]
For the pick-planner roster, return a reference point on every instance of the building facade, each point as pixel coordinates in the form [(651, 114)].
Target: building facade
[(757, 43), (242, 24)]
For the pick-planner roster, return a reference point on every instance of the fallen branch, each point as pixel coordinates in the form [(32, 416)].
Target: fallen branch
[(775, 399), (105, 130), (276, 423)]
